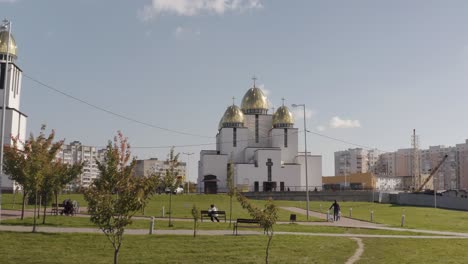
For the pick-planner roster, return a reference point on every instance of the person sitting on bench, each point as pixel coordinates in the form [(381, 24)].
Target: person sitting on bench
[(212, 213)]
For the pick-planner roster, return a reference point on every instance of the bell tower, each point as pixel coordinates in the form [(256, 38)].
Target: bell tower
[(10, 87)]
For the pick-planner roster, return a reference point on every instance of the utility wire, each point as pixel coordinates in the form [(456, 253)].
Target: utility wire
[(111, 112), (171, 130)]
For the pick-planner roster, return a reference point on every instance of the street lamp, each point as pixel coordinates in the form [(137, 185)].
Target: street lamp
[(187, 169), (6, 25), (305, 157)]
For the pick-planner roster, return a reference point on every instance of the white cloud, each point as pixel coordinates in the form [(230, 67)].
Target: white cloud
[(195, 7), (337, 122), (298, 113), (8, 1), (265, 91)]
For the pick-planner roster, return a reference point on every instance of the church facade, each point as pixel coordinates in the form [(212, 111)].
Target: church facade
[(261, 147)]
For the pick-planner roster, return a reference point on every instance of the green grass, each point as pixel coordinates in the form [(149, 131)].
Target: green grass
[(92, 248), (162, 224), (416, 217), (385, 250)]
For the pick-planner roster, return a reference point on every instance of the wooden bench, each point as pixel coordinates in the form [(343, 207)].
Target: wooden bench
[(206, 213), (249, 223), (57, 209)]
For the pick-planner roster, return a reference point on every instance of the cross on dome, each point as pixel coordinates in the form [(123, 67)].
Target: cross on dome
[(282, 99), (254, 78), (233, 100)]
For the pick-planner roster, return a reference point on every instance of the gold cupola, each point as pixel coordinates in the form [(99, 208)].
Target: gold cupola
[(3, 44), (254, 101), (233, 117), (283, 117)]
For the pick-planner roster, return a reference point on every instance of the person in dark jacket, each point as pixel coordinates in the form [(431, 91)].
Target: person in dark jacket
[(336, 210)]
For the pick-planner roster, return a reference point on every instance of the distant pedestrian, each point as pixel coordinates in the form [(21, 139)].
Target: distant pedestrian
[(336, 211), (213, 213)]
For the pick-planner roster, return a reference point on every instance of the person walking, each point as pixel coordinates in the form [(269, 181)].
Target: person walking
[(213, 213), (336, 211)]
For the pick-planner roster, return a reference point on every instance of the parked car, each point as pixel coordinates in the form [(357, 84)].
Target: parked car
[(177, 190)]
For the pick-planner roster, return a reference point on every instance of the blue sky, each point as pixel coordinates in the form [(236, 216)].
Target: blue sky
[(368, 71)]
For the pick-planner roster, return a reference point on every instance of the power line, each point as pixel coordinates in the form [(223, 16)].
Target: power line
[(111, 112), (171, 130)]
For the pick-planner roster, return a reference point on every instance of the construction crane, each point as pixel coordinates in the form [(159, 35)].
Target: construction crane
[(432, 174)]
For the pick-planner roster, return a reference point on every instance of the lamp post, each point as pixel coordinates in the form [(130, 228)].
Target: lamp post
[(187, 169), (6, 25), (305, 157)]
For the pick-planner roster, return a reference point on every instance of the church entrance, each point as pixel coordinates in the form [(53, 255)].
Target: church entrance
[(269, 186), (211, 184)]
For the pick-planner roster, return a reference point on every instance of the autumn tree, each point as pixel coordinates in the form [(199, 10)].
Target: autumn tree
[(30, 165), (59, 175), (266, 217), (171, 179), (117, 195)]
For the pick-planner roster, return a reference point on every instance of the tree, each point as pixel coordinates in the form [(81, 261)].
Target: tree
[(266, 217), (60, 174), (196, 217), (117, 195), (30, 165), (231, 188), (171, 179)]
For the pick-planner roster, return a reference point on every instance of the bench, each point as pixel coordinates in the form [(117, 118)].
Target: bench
[(249, 223), (206, 213), (57, 209)]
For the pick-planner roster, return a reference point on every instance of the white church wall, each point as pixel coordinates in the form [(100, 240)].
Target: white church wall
[(213, 165), (314, 170), (288, 154), (264, 126), (227, 145)]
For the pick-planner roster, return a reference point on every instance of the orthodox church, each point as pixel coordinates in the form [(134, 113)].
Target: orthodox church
[(261, 147)]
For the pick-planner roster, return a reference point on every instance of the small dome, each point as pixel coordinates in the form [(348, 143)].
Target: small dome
[(233, 117), (254, 102), (3, 44), (283, 117)]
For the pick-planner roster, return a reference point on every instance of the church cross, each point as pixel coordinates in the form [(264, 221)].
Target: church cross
[(282, 99), (233, 100), (254, 78)]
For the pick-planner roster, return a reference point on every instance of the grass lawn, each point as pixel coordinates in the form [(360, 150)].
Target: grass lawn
[(385, 250), (92, 248), (416, 217), (162, 224)]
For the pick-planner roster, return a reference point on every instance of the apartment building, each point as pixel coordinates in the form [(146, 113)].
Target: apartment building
[(355, 160), (148, 166), (74, 153)]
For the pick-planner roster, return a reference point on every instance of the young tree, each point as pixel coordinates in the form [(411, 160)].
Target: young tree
[(30, 165), (171, 179), (267, 217), (196, 217), (117, 195), (59, 175), (231, 188)]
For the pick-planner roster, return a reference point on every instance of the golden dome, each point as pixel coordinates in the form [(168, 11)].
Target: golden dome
[(233, 117), (3, 43), (283, 117), (254, 100)]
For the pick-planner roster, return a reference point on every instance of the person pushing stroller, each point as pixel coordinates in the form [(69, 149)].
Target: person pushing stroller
[(336, 211)]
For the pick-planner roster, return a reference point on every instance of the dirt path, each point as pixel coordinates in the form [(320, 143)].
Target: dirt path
[(358, 253)]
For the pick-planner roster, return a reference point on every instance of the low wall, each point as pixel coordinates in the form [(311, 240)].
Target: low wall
[(428, 200), (356, 196)]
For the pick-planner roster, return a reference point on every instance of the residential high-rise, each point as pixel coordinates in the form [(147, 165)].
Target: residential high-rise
[(148, 166), (355, 160), (74, 153)]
